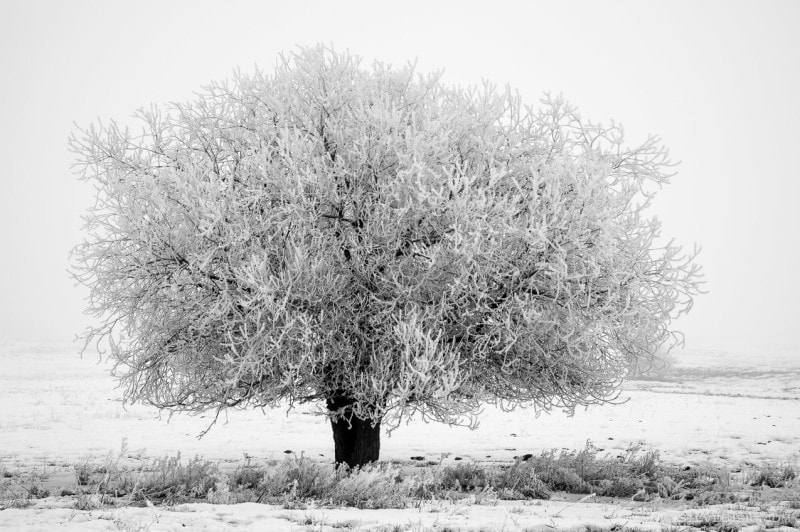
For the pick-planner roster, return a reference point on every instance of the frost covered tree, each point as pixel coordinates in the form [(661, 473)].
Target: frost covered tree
[(378, 241)]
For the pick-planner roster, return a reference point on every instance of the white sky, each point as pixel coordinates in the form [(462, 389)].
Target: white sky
[(719, 81)]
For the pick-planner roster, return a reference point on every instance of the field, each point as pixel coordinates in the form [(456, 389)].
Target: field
[(733, 412)]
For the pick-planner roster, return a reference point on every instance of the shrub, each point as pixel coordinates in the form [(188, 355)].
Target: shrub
[(520, 481), (298, 478), (621, 487), (90, 501), (464, 477), (247, 477), (425, 484), (221, 494), (83, 472), (168, 480), (563, 479), (371, 487), (162, 480), (37, 492), (667, 488), (645, 464)]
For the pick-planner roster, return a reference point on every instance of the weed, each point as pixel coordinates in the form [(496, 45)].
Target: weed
[(520, 481), (464, 477), (16, 503), (247, 476), (166, 480), (667, 488), (375, 486), (83, 472), (646, 464), (170, 481), (297, 478), (703, 485), (221, 494), (563, 479), (37, 492), (90, 501), (621, 487), (584, 472), (426, 484), (774, 476)]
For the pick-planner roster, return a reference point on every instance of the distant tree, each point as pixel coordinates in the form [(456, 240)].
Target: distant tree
[(379, 241)]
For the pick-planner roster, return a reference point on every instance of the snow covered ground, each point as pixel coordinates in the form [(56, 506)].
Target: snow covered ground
[(728, 406), (505, 515)]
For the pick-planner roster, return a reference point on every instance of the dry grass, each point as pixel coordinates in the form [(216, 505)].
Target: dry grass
[(297, 482)]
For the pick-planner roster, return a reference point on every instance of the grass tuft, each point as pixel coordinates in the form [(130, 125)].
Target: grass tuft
[(15, 504), (464, 477), (169, 481), (774, 476), (520, 481), (373, 487), (297, 478)]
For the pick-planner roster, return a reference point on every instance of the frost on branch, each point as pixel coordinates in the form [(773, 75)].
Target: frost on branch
[(329, 230)]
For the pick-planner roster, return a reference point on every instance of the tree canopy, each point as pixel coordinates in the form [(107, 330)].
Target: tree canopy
[(329, 231)]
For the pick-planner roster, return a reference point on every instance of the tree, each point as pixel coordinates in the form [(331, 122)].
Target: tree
[(379, 241)]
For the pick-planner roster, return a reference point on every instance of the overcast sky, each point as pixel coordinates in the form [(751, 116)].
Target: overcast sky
[(718, 81)]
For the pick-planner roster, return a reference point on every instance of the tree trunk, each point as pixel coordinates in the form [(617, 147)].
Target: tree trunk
[(356, 443)]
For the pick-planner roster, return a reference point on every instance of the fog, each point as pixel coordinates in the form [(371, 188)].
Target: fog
[(717, 81)]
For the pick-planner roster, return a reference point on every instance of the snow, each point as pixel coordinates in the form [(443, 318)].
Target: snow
[(253, 516), (57, 409)]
